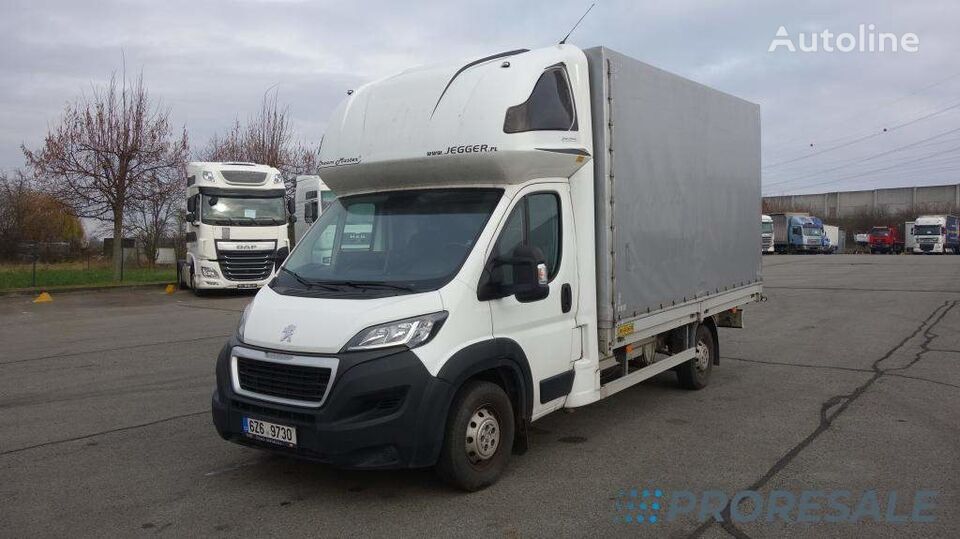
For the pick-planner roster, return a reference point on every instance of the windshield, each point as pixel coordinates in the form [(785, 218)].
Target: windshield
[(879, 232), (766, 228), (388, 243), (927, 230), (812, 231), (238, 211)]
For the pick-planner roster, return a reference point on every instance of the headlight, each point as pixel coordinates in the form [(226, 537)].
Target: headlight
[(208, 176), (243, 321), (277, 178), (409, 332), (209, 272)]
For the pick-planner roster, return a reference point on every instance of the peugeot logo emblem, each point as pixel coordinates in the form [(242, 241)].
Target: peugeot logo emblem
[(287, 333)]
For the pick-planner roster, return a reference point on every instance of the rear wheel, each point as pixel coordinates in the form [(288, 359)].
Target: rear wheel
[(478, 438), (695, 374)]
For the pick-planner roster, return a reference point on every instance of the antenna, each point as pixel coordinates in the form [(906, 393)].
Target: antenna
[(564, 40)]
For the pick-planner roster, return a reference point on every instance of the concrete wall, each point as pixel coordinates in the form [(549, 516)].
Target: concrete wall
[(930, 198)]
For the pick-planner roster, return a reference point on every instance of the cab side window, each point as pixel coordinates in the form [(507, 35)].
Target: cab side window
[(535, 222)]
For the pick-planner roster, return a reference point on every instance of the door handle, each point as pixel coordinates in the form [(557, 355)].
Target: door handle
[(566, 297)]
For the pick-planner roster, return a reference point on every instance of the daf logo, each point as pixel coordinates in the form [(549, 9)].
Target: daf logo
[(246, 246), (287, 333)]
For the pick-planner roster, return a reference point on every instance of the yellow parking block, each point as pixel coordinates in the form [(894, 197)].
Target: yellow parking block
[(170, 289), (44, 297)]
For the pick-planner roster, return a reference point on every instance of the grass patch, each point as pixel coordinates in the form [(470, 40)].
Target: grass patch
[(79, 274)]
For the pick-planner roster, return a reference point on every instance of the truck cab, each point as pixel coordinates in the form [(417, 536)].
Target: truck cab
[(766, 234), (237, 221), (312, 197), (886, 239), (936, 234)]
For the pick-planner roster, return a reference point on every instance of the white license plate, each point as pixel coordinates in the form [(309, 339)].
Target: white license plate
[(270, 432)]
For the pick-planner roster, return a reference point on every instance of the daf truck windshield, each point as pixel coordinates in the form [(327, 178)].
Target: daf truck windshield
[(391, 243), (927, 230), (812, 231), (766, 228), (242, 211)]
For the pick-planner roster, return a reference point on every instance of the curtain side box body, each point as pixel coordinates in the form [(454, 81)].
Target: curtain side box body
[(677, 190)]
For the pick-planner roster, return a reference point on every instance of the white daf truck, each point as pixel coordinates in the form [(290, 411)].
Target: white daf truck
[(766, 234), (513, 235), (236, 226)]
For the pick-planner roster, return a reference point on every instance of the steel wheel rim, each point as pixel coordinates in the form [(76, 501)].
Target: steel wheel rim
[(483, 435), (703, 356)]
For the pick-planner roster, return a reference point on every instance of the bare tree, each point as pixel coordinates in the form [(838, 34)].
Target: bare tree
[(151, 214), (103, 152), (266, 139)]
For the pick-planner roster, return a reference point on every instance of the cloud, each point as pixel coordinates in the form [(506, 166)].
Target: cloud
[(210, 63)]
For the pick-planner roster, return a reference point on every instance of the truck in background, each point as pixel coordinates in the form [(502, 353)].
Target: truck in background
[(491, 289), (936, 234), (797, 232), (886, 239), (833, 239), (766, 234), (909, 237), (312, 197), (237, 226)]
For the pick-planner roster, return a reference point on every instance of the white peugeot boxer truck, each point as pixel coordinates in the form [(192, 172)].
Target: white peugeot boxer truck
[(237, 222), (513, 235)]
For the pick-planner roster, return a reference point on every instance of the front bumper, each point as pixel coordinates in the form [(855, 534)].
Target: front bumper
[(384, 411), (208, 282)]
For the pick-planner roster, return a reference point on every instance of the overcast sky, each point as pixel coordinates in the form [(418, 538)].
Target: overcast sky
[(210, 63)]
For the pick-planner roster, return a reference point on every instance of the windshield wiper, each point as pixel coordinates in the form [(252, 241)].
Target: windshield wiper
[(372, 284), (306, 282)]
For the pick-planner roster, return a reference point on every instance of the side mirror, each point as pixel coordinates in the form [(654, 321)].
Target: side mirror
[(190, 217), (293, 218), (530, 279), (192, 204), (528, 269), (291, 206)]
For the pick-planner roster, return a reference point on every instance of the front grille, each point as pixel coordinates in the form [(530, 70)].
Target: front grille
[(244, 177), (246, 265), (294, 382)]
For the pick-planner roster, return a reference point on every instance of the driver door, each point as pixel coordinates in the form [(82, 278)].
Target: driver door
[(545, 329)]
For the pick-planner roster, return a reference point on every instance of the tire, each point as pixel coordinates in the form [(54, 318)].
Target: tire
[(695, 374), (465, 462), (193, 286)]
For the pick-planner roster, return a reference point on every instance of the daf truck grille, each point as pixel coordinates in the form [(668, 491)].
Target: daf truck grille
[(291, 382), (244, 177), (246, 265)]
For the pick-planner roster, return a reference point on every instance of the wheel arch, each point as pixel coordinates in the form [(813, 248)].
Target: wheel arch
[(503, 362)]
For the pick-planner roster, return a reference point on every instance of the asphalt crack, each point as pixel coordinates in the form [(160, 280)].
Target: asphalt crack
[(115, 349), (101, 433), (838, 404)]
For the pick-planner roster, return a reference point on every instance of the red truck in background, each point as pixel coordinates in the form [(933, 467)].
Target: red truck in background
[(886, 239)]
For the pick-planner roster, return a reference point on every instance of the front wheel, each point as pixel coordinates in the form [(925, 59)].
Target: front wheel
[(478, 438), (695, 374)]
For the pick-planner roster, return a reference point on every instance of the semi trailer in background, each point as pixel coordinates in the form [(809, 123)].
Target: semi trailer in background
[(909, 236), (511, 219), (312, 196), (237, 223), (936, 234), (797, 232), (766, 234)]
